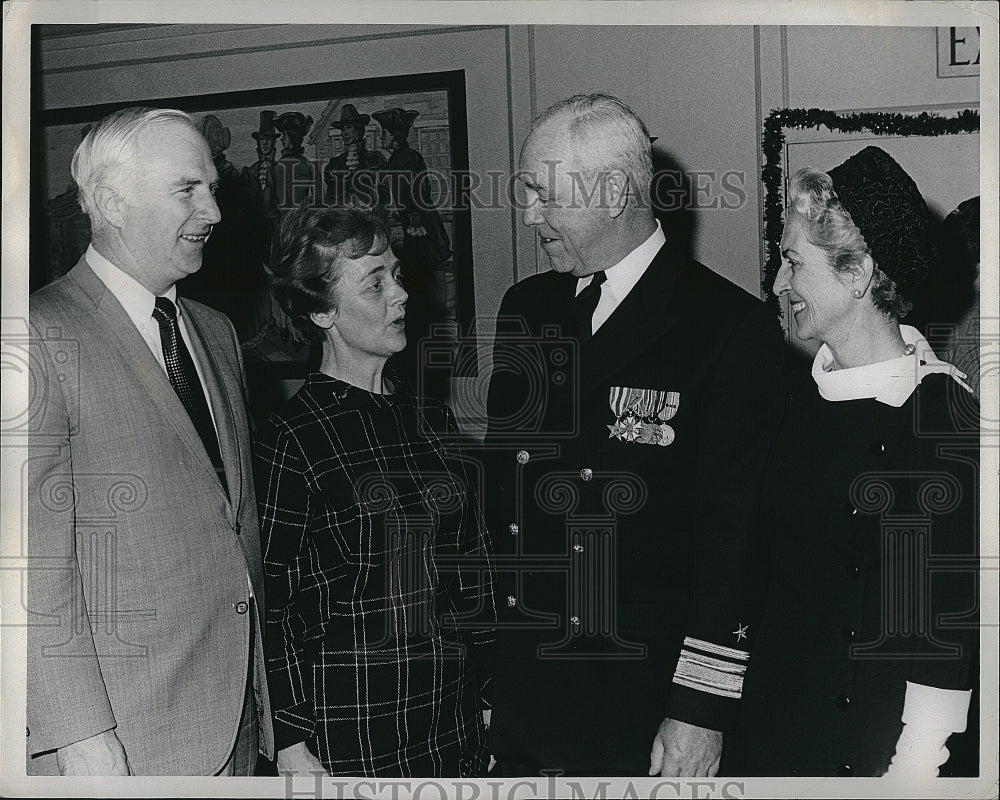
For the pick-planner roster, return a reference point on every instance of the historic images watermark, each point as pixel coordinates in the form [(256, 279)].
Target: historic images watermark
[(324, 788), (462, 190)]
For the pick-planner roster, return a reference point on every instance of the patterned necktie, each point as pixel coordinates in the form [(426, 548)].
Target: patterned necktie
[(585, 305), (184, 378)]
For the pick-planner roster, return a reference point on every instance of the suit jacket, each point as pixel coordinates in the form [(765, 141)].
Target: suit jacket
[(138, 581), (616, 557)]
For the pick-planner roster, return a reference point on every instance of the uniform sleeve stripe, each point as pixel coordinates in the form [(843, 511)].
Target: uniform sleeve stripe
[(716, 649), (707, 674)]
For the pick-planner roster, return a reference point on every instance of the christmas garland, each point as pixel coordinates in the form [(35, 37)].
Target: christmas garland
[(881, 124)]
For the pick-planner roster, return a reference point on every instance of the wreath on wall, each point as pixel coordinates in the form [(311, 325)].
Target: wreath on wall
[(880, 124)]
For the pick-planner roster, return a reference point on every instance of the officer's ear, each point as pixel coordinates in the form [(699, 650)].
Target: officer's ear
[(616, 186)]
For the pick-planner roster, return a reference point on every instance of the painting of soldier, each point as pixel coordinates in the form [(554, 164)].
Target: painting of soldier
[(351, 175), (424, 249), (231, 277)]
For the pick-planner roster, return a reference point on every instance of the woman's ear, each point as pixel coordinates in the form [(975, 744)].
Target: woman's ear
[(324, 319), (861, 275)]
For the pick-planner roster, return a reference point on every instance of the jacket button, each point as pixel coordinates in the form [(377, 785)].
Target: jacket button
[(511, 600), (849, 510), (522, 456), (843, 702), (847, 633), (513, 528), (844, 771), (586, 473), (241, 607)]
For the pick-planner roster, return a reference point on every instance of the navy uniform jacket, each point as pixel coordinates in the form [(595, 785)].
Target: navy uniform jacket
[(615, 556)]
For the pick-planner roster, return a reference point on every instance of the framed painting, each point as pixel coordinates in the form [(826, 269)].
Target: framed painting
[(276, 149)]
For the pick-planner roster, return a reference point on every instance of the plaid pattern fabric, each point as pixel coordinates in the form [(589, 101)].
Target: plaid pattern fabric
[(378, 583)]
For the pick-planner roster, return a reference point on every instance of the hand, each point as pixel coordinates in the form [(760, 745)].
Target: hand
[(298, 760), (681, 750), (102, 754)]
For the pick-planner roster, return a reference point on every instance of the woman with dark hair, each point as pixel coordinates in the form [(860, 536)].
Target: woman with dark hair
[(376, 558), (860, 663)]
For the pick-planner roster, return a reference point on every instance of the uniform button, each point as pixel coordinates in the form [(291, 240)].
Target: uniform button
[(27, 731), (847, 633), (853, 570), (241, 607), (844, 771), (586, 473), (522, 456), (578, 548), (849, 510), (511, 600), (514, 530), (575, 621), (878, 448), (843, 702)]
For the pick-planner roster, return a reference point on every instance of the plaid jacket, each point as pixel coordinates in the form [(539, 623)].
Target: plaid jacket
[(376, 564)]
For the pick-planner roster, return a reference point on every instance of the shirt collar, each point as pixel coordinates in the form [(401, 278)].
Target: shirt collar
[(890, 382), (135, 298), (626, 273)]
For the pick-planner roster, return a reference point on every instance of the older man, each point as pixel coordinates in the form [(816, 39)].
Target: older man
[(632, 398), (144, 585)]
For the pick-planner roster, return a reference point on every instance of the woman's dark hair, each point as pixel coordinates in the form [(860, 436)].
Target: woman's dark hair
[(306, 255)]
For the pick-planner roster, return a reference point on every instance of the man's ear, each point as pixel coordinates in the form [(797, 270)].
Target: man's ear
[(110, 205), (616, 192)]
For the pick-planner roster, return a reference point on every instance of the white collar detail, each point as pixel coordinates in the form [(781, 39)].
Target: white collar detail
[(890, 382)]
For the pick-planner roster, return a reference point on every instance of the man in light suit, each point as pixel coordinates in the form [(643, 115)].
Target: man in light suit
[(632, 399), (144, 586)]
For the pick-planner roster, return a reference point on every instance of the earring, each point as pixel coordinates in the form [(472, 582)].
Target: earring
[(857, 293)]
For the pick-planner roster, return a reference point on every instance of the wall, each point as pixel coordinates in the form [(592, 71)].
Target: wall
[(703, 90)]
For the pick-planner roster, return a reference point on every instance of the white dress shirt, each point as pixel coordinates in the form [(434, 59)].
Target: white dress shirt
[(623, 276), (138, 303)]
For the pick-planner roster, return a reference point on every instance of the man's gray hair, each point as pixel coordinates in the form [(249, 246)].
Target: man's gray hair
[(605, 134), (108, 153)]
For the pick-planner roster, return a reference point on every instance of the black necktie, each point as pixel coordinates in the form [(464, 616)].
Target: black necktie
[(584, 305), (184, 378)]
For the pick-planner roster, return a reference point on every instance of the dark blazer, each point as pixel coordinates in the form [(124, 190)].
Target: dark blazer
[(142, 559), (611, 552)]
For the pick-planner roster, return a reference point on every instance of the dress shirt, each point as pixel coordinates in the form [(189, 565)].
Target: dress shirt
[(138, 303), (623, 276)]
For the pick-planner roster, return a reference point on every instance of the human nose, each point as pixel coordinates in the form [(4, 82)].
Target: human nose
[(210, 209), (399, 295), (532, 209), (781, 280)]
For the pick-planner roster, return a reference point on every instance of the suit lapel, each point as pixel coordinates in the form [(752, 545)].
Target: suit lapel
[(638, 323), (109, 316), (220, 393)]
